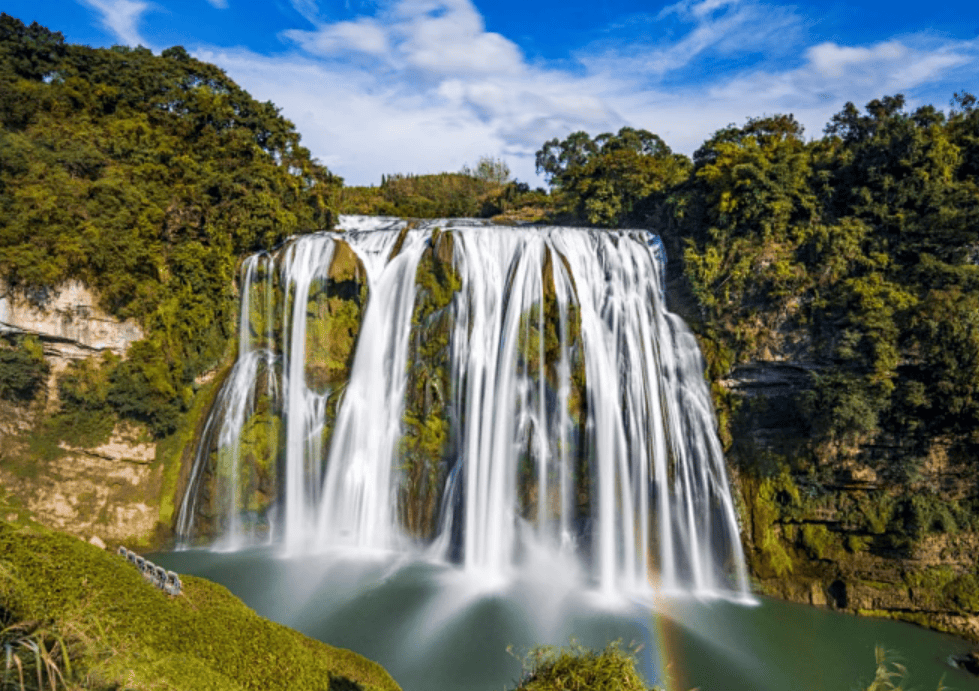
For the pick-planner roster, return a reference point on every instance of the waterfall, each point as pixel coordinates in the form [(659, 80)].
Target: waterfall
[(479, 392)]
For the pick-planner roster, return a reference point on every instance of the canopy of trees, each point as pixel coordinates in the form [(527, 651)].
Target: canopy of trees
[(613, 178), (482, 191), (867, 238), (147, 177)]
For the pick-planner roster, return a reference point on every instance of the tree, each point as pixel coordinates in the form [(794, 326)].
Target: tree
[(606, 180), (489, 169), (146, 177)]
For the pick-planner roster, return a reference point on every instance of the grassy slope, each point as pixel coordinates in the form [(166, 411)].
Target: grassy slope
[(127, 633)]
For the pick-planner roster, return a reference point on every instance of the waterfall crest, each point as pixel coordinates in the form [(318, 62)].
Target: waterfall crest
[(478, 392)]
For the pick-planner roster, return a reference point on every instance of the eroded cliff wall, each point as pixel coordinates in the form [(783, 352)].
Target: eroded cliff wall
[(871, 524), (108, 488)]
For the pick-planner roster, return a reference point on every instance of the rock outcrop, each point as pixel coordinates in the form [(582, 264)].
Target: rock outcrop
[(842, 526), (68, 321), (110, 491)]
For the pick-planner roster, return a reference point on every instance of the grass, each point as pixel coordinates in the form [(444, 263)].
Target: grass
[(102, 626), (889, 674), (576, 668)]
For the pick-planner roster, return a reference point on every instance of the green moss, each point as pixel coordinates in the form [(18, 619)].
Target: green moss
[(128, 633), (176, 451), (819, 541), (964, 592), (771, 498), (425, 440), (857, 543), (944, 588), (333, 324)]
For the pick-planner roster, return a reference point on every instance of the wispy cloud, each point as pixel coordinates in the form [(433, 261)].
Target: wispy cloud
[(121, 18), (308, 9), (692, 30), (219, 4)]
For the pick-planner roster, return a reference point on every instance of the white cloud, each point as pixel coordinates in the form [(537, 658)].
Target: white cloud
[(307, 9), (436, 37), (697, 9), (704, 28), (421, 86), (219, 4), (361, 36), (121, 18)]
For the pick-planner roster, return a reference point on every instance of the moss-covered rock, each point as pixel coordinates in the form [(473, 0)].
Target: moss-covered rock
[(425, 448)]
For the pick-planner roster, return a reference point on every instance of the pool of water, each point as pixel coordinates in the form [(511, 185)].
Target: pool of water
[(434, 626)]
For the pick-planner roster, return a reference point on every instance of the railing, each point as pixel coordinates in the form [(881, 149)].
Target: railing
[(167, 581)]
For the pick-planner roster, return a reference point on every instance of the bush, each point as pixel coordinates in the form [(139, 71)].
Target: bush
[(23, 369), (563, 669)]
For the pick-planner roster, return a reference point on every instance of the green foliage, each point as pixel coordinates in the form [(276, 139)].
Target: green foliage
[(146, 177), (865, 239), (610, 180), (576, 668), (889, 675), (120, 631), (489, 169), (442, 195), (85, 417), (23, 369), (36, 657)]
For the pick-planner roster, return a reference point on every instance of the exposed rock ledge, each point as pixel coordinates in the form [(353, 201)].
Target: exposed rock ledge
[(110, 491), (69, 323), (107, 491)]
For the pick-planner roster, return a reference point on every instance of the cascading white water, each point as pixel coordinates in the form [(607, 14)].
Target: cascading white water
[(579, 420)]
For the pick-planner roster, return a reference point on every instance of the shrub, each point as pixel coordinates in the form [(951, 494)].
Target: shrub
[(23, 369), (547, 668)]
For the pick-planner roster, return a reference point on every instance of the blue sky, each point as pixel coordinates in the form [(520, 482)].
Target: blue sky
[(424, 86)]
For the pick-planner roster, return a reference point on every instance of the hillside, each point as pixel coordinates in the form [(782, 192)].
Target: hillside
[(103, 626)]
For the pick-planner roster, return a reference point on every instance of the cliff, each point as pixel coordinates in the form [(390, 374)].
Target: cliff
[(838, 523), (111, 487), (835, 527)]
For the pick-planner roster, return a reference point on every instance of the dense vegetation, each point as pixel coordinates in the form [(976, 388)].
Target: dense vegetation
[(98, 624), (146, 177), (481, 191), (867, 238)]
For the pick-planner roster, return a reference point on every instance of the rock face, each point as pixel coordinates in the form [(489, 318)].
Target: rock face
[(111, 492), (840, 526), (69, 321)]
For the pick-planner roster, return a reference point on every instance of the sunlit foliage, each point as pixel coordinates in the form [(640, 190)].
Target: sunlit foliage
[(146, 177)]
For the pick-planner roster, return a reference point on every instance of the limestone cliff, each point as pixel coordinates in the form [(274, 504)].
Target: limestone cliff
[(839, 527), (109, 491), (842, 525)]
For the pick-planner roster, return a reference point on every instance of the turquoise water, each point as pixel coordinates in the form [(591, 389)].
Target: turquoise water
[(434, 627)]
